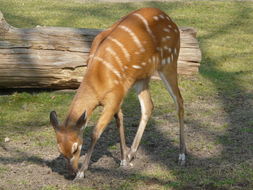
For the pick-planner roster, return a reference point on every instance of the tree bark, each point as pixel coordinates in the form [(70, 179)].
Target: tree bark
[(55, 57)]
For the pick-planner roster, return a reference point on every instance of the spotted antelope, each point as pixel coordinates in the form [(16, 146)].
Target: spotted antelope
[(125, 55)]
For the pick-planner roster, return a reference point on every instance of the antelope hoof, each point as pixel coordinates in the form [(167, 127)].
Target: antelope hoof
[(124, 163), (181, 159), (79, 176), (130, 156)]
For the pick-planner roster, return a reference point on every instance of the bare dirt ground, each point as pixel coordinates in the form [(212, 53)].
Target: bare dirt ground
[(216, 146)]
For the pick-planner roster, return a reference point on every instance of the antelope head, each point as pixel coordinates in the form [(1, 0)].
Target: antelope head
[(69, 140)]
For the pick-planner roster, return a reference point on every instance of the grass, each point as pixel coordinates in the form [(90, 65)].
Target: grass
[(218, 100)]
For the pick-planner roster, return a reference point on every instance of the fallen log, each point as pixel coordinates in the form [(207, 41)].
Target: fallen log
[(55, 57)]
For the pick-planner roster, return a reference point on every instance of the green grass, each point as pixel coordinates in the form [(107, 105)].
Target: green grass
[(3, 170), (223, 88), (49, 187)]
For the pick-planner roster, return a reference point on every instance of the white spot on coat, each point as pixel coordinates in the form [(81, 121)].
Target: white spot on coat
[(155, 17), (134, 37), (161, 53), (127, 55), (113, 53), (175, 51), (109, 66), (168, 60), (136, 66), (166, 30), (161, 16), (154, 59), (157, 58), (164, 39), (163, 61), (146, 25)]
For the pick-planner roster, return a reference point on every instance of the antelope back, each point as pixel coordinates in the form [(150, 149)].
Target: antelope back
[(133, 48)]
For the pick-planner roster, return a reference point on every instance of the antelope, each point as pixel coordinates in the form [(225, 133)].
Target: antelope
[(125, 55)]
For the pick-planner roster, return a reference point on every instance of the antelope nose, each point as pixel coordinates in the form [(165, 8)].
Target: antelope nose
[(72, 171)]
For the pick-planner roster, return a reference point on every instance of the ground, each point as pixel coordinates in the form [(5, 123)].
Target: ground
[(218, 142)]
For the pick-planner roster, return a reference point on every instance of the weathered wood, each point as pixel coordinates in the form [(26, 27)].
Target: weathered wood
[(55, 57)]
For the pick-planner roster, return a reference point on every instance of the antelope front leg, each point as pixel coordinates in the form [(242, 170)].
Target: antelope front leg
[(119, 121), (146, 110), (105, 118)]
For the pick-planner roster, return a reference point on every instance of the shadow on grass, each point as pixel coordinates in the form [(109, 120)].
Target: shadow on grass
[(236, 100)]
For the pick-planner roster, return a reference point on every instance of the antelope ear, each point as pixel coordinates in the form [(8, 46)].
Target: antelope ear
[(53, 120), (74, 148), (81, 121)]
